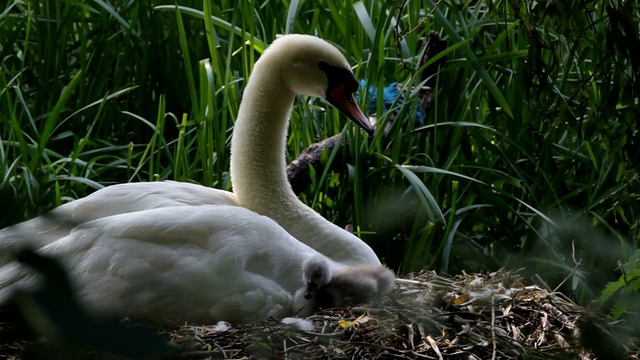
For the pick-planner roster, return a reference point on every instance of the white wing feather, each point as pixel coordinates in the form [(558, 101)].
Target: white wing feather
[(191, 263), (112, 200)]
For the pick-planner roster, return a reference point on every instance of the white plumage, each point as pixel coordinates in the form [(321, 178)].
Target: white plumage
[(112, 200), (180, 251), (192, 263)]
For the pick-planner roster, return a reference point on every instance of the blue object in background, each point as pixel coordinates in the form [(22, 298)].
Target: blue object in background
[(389, 95)]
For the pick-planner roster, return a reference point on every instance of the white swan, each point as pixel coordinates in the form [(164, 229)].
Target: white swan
[(231, 264), (327, 285), (182, 251), (292, 64)]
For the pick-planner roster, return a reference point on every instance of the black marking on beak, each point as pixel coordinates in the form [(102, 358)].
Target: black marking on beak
[(312, 287), (341, 87)]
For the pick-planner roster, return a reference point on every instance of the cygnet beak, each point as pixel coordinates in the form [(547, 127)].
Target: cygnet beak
[(347, 104), (312, 286)]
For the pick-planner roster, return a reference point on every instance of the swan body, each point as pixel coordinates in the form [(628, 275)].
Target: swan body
[(327, 285), (109, 201), (239, 267), (178, 251)]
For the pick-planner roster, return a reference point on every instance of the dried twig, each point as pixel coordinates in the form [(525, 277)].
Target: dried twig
[(428, 317)]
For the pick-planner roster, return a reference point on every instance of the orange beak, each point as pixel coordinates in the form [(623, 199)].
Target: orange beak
[(348, 105)]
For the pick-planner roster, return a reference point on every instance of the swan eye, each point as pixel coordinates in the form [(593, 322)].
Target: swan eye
[(351, 85), (338, 76)]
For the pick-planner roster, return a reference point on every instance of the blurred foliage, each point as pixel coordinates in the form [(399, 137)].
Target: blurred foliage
[(53, 314), (623, 295)]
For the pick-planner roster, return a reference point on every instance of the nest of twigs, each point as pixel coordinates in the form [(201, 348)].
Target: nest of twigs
[(426, 316), (493, 316)]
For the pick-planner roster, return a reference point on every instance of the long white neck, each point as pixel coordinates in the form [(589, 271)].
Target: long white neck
[(258, 167)]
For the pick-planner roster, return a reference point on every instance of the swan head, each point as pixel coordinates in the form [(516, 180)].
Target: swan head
[(315, 274), (313, 67)]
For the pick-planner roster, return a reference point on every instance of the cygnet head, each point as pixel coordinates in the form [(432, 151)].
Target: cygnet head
[(313, 67), (315, 274), (346, 285)]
